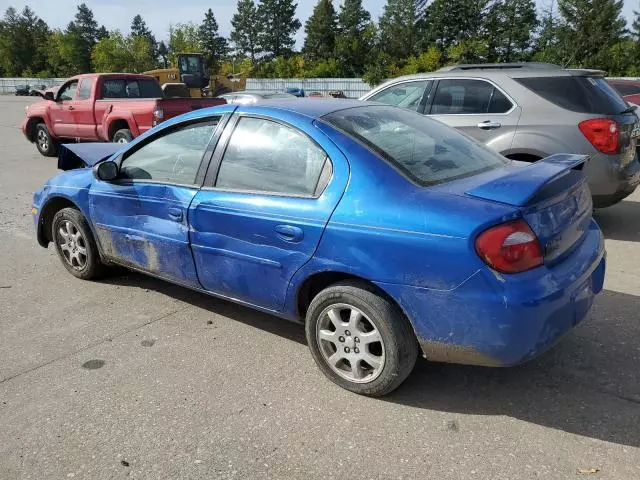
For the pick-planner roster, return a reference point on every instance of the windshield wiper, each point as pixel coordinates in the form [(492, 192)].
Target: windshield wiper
[(630, 109)]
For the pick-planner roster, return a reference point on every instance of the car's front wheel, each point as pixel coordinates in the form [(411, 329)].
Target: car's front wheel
[(45, 144), (75, 244), (360, 339)]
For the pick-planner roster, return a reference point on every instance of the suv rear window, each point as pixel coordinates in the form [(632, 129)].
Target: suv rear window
[(137, 88), (425, 150), (578, 94)]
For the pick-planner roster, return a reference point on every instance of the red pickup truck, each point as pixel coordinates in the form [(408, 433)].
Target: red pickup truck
[(103, 107)]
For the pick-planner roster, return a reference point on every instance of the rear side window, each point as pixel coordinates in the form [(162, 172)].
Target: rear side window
[(121, 88), (405, 95), (578, 94), (465, 96), (425, 150), (84, 92), (265, 156), (626, 88)]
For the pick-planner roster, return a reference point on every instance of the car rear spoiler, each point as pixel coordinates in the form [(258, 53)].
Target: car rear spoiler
[(521, 184), (82, 155)]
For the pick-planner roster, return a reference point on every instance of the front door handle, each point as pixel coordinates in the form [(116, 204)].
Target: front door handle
[(289, 233), (71, 107), (175, 214), (488, 125)]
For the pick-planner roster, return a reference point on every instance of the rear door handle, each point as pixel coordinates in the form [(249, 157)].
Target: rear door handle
[(488, 125), (289, 233), (175, 214)]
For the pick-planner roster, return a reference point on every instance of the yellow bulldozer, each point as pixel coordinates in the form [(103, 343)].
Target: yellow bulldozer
[(190, 74)]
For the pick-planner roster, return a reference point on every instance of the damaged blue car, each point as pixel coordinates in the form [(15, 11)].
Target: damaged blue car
[(386, 233)]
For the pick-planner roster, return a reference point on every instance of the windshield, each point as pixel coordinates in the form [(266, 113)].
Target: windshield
[(425, 150)]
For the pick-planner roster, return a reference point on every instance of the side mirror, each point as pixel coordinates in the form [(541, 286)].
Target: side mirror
[(49, 96), (106, 171)]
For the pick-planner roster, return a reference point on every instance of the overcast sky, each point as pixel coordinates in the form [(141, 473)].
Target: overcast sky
[(159, 14)]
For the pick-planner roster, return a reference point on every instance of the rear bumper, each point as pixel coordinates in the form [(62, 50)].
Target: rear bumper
[(504, 320), (610, 184)]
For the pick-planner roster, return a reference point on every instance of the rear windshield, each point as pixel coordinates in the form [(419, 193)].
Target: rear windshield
[(425, 150), (578, 94), (626, 88), (136, 88)]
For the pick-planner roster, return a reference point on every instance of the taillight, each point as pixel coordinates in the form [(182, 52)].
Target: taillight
[(510, 247), (602, 133), (158, 115)]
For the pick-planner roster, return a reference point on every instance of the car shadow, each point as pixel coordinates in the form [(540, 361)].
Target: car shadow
[(620, 222), (587, 385), (248, 316)]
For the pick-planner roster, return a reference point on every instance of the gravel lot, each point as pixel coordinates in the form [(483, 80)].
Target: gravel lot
[(133, 377)]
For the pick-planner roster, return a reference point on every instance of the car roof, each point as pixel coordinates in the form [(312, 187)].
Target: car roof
[(315, 108)]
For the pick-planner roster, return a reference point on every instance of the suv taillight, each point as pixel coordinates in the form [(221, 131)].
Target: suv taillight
[(602, 133), (510, 247)]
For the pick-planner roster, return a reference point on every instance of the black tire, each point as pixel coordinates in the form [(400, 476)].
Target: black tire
[(123, 135), (45, 144), (399, 342), (90, 265)]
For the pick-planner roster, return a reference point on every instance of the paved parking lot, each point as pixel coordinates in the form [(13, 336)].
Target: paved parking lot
[(133, 377)]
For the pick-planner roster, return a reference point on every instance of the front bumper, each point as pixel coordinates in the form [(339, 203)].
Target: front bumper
[(505, 320)]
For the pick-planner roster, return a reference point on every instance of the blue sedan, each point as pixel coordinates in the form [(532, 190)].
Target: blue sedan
[(386, 233)]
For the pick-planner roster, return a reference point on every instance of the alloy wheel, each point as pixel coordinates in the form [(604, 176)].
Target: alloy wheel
[(72, 245)]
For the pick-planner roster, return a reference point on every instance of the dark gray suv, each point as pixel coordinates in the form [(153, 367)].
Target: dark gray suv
[(528, 111)]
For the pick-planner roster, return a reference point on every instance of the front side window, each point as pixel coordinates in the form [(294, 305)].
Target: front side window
[(405, 95), (425, 150), (266, 156), (68, 92), (466, 96), (85, 89), (173, 158)]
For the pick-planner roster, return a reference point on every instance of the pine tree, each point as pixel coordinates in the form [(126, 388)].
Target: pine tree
[(356, 38), (214, 47), (139, 29), (163, 52), (450, 22), (589, 29), (320, 30), (635, 26), (83, 34), (510, 25), (246, 30), (399, 29), (279, 24)]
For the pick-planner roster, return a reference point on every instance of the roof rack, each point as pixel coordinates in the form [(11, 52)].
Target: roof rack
[(501, 66)]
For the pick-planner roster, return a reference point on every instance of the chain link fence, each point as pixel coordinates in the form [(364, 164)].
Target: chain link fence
[(351, 87), (8, 85)]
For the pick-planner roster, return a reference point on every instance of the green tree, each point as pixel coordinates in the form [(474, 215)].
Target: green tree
[(356, 38), (117, 53), (510, 25), (139, 29), (589, 29), (399, 29), (24, 39), (450, 22), (279, 24), (83, 33), (246, 30), (428, 61), (163, 52), (320, 33), (183, 38), (61, 54), (214, 47), (635, 25)]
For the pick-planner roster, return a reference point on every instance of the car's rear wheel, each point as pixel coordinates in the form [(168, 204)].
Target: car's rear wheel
[(359, 339), (75, 244), (45, 144), (123, 135)]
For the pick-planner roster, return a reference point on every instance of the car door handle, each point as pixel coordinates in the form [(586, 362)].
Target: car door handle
[(488, 125), (71, 107), (289, 233), (175, 214)]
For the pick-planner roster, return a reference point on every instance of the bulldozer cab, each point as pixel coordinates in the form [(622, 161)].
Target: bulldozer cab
[(192, 72)]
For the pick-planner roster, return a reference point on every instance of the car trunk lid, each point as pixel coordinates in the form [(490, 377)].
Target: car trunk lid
[(551, 195)]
